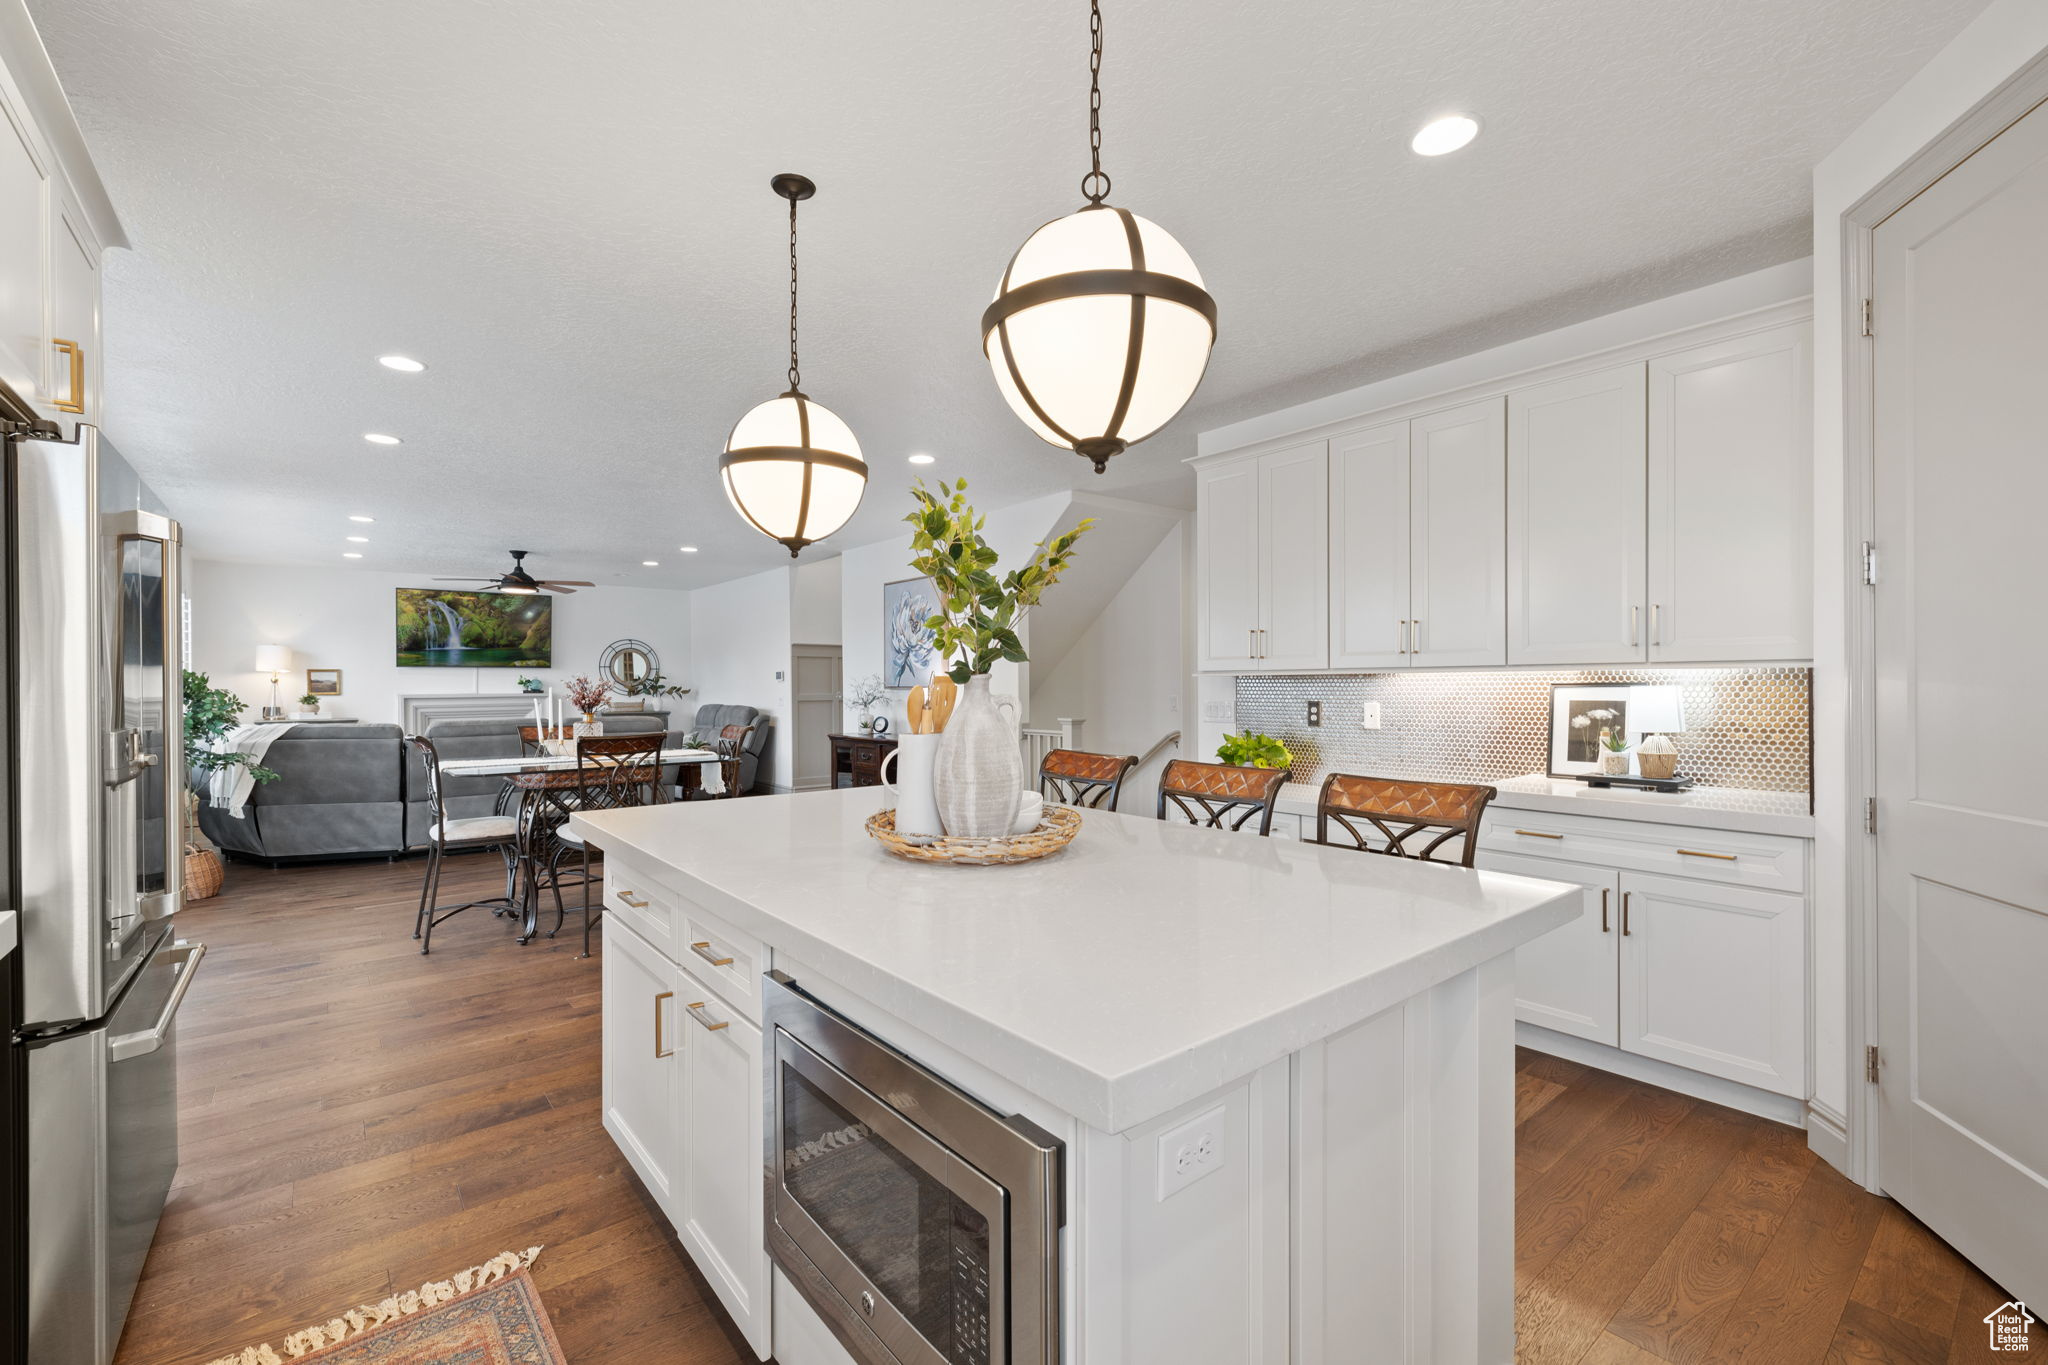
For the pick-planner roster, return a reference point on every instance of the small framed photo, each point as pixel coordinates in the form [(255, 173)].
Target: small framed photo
[(323, 682), (1582, 715)]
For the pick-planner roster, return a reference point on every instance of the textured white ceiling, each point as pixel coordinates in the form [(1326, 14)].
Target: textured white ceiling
[(563, 209)]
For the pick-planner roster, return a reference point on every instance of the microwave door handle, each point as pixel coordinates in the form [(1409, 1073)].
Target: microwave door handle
[(123, 1046)]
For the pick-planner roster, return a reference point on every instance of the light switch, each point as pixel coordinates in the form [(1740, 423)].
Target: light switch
[(1369, 715)]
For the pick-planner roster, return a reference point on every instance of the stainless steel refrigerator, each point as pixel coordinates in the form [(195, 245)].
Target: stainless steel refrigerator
[(94, 749)]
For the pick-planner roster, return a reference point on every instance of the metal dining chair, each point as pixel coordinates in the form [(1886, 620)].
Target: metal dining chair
[(613, 772), (1221, 795), (1401, 811), (498, 833), (1075, 777)]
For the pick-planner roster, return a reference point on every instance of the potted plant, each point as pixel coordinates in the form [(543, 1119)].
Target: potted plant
[(210, 712), (978, 772), (1614, 760), (530, 685), (1254, 751), (586, 695), (864, 695), (309, 705)]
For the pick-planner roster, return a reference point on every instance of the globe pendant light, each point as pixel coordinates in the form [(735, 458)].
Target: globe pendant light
[(791, 467), (1100, 329)]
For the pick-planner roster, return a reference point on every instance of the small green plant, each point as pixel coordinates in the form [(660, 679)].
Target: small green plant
[(309, 700), (210, 712), (1259, 751), (1615, 743), (654, 685), (527, 684), (978, 613)]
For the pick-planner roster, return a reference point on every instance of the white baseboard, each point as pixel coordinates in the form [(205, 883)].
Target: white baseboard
[(1750, 1100), (1827, 1133)]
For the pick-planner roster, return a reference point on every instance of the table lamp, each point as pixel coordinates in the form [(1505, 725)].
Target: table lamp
[(1657, 712), (274, 660)]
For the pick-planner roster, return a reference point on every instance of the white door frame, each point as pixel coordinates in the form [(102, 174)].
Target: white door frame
[(1996, 112)]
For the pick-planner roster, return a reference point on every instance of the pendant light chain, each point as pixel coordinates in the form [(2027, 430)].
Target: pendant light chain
[(1095, 185), (794, 376)]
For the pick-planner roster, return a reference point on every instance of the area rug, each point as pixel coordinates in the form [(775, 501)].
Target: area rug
[(489, 1314)]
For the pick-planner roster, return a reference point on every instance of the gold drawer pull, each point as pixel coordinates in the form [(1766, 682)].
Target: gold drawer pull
[(74, 398), (1717, 857), (703, 950), (627, 897), (698, 1013), (1538, 834), (660, 1051)]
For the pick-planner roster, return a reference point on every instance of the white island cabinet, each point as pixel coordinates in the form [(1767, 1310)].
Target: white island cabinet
[(1279, 1076)]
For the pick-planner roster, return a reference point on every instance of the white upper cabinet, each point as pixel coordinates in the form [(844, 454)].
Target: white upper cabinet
[(1262, 562), (1457, 553), (1577, 591), (73, 357), (24, 224), (1369, 548), (1227, 564), (1731, 500)]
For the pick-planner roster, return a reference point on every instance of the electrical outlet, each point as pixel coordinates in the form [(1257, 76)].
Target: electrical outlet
[(1216, 710), (1173, 703), (1315, 713), (1189, 1152), (1369, 715)]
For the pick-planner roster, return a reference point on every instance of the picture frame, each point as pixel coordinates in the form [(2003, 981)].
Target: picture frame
[(1578, 713), (910, 654), (323, 682)]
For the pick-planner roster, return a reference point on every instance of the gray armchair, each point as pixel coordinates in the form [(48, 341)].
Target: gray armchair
[(713, 717)]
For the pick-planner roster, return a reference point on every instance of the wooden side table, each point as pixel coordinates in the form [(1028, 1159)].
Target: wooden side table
[(857, 759)]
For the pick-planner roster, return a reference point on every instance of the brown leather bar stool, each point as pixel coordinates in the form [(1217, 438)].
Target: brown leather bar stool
[(1074, 777), (1221, 795), (1400, 811), (613, 772)]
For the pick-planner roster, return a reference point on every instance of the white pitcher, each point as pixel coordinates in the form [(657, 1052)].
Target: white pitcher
[(979, 776), (917, 812)]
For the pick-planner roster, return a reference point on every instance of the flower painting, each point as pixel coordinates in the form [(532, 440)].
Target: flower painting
[(909, 654), (1583, 718)]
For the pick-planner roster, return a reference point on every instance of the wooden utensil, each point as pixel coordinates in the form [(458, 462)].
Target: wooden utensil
[(915, 706), (944, 694)]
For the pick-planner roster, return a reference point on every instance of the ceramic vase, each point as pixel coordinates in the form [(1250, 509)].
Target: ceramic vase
[(1657, 757), (589, 725), (978, 772), (907, 773)]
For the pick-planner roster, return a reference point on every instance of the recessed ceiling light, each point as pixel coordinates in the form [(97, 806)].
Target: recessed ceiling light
[(378, 438), (650, 563), (1446, 134), (350, 554), (404, 364), (922, 459), (363, 519), (359, 540), (687, 549)]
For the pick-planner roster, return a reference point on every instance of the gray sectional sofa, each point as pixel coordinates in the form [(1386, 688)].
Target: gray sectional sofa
[(348, 791)]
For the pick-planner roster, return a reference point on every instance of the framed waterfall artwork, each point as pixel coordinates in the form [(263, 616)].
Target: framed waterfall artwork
[(444, 629), (909, 651)]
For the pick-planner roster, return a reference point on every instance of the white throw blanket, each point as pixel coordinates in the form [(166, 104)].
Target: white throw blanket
[(228, 788)]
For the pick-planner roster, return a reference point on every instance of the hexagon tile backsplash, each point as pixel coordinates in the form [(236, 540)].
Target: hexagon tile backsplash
[(1745, 727)]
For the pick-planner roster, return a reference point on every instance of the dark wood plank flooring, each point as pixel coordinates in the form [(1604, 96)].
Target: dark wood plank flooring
[(356, 1119)]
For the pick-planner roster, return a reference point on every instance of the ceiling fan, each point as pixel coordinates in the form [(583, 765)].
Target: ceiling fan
[(518, 580)]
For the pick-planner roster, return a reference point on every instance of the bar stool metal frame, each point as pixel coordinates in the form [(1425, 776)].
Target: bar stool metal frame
[(614, 772), (1229, 796), (1088, 781), (499, 833), (1454, 808)]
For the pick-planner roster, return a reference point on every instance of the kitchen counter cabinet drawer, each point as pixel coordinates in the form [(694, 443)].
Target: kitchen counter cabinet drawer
[(1768, 862), (728, 961), (643, 902)]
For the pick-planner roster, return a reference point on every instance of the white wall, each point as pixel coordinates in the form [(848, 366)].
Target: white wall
[(739, 642), (814, 602), (345, 618), (1127, 674), (2007, 36)]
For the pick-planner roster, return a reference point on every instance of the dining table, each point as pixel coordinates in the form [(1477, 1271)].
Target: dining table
[(548, 787)]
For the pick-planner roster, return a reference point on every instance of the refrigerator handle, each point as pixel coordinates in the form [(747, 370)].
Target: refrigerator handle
[(123, 1046)]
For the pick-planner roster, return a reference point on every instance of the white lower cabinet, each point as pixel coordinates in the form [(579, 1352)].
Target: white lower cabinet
[(642, 1084), (1568, 979)]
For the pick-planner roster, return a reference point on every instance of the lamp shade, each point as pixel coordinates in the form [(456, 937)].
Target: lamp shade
[(793, 470), (272, 658), (1100, 331), (1656, 710)]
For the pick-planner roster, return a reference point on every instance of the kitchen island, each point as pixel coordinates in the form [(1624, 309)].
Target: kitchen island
[(1278, 1076)]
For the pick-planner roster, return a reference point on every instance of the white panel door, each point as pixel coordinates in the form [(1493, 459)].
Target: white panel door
[(721, 1155), (1457, 513), (642, 1081), (1369, 548), (24, 251), (1227, 564), (1294, 563), (1568, 979), (1731, 500), (815, 683), (1713, 977), (1961, 654), (1576, 590)]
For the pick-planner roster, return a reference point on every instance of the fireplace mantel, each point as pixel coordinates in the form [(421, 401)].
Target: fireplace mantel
[(419, 710)]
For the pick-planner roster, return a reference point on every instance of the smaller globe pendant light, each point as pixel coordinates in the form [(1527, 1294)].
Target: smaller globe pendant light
[(791, 467), (1100, 330)]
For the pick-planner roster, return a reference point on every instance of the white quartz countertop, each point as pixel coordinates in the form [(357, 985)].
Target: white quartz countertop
[(7, 932), (1143, 966), (1729, 808)]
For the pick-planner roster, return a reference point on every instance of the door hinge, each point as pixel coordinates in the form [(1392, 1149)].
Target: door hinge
[(1870, 563), (1870, 815), (1870, 1064), (1867, 331)]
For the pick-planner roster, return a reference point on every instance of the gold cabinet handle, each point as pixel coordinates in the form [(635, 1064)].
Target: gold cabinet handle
[(1251, 642), (1624, 912), (660, 1051), (1401, 635), (1415, 635), (1538, 834), (704, 951), (627, 897), (1717, 857), (1603, 910), (1656, 623), (1635, 626), (74, 399), (703, 1016)]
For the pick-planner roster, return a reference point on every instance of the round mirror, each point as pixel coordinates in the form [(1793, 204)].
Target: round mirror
[(629, 664)]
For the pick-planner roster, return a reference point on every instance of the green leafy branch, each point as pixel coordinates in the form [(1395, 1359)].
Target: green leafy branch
[(210, 712), (979, 613), (1258, 751)]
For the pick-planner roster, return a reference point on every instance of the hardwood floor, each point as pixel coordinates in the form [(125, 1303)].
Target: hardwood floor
[(356, 1119)]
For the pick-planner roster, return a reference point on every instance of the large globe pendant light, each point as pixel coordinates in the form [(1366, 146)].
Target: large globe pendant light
[(1100, 329), (791, 467)]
